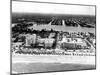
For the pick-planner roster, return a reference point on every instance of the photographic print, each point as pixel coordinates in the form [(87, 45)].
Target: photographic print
[(52, 37)]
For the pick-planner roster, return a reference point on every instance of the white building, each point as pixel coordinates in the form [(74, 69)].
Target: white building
[(30, 39)]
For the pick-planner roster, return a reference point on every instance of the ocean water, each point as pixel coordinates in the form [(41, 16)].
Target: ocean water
[(47, 67)]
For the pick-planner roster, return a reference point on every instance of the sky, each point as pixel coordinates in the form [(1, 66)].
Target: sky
[(46, 8)]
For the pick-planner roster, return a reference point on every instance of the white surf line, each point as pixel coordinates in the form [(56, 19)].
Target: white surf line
[(14, 72), (28, 62)]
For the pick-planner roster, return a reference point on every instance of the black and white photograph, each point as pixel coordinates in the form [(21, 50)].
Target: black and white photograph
[(52, 37)]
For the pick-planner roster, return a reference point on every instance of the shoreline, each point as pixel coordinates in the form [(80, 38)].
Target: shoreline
[(63, 59)]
